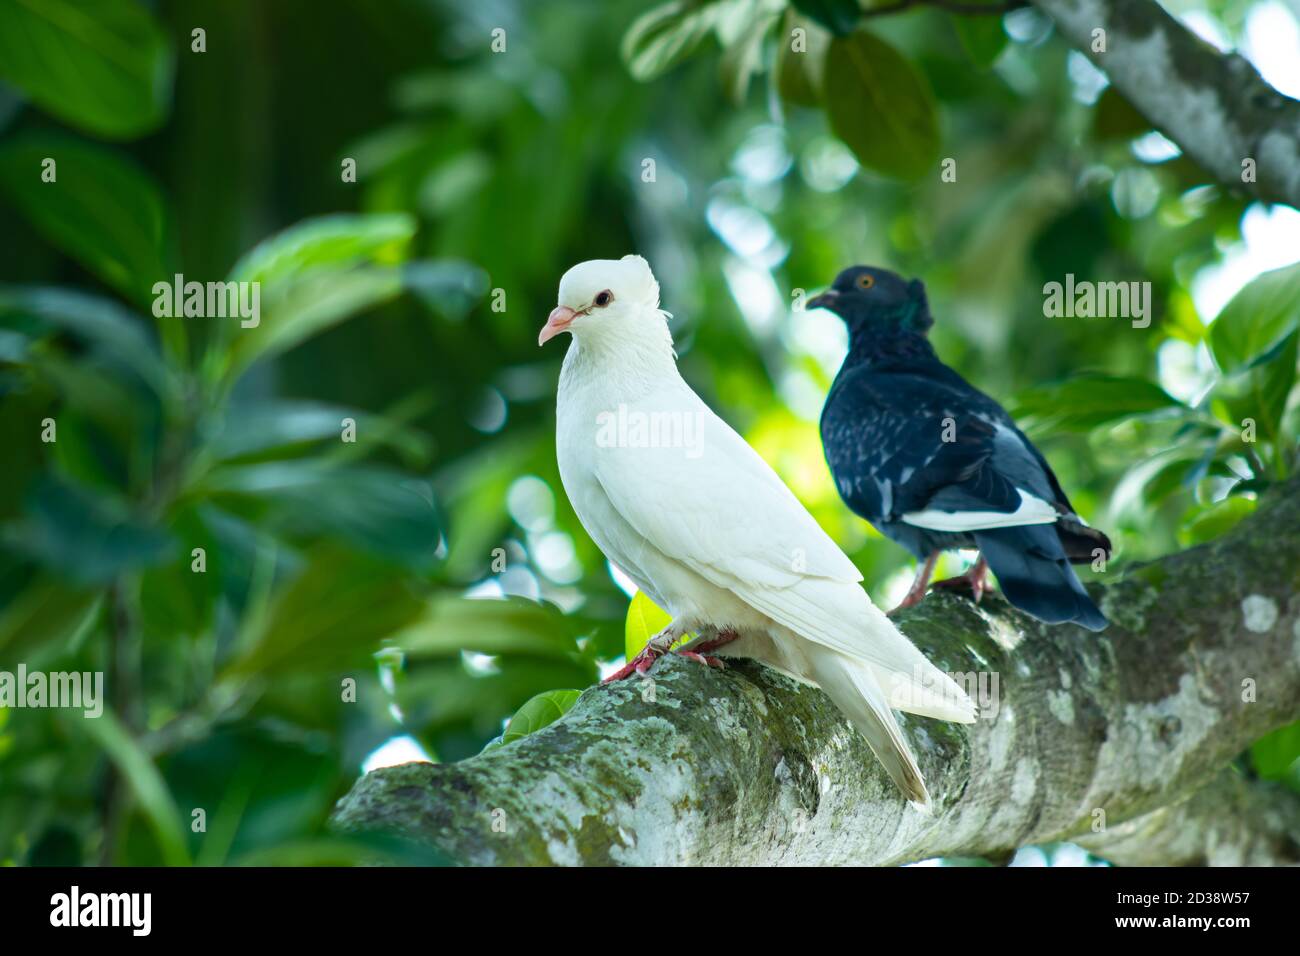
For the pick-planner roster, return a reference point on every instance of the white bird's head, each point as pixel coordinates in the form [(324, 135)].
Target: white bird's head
[(606, 301)]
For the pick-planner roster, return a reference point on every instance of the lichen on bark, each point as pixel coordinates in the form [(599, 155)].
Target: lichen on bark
[(1096, 737)]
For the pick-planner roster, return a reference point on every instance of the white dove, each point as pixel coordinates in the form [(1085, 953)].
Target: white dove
[(682, 504)]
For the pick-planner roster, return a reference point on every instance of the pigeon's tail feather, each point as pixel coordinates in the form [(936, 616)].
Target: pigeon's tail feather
[(1081, 542), (853, 687), (841, 617), (1035, 575)]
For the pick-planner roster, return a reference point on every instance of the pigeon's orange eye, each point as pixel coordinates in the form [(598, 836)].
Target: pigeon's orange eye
[(604, 298), (866, 281)]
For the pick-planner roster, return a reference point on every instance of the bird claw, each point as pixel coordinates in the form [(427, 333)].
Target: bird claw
[(975, 581), (642, 663), (705, 659)]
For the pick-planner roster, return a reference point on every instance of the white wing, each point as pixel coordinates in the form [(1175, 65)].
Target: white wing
[(720, 510)]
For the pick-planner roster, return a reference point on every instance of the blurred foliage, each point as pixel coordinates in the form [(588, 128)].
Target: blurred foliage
[(181, 507)]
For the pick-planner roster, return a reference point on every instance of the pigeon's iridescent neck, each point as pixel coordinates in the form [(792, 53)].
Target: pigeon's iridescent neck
[(879, 348)]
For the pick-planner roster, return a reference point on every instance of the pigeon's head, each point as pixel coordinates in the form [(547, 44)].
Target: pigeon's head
[(605, 301), (876, 301)]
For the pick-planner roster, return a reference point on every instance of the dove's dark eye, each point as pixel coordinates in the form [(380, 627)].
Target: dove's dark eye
[(604, 298), (866, 281)]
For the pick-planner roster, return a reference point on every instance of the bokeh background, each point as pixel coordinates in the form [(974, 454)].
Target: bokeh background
[(403, 595)]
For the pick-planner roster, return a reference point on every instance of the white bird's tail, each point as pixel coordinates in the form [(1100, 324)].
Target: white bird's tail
[(867, 666), (853, 687)]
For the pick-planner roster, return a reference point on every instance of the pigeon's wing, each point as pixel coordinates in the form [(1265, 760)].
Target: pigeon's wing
[(721, 511), (715, 503), (912, 448)]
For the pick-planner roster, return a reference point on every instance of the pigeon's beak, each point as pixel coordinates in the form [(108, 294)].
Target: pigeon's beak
[(561, 318), (826, 300)]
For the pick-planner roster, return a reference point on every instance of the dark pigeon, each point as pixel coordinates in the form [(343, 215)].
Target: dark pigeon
[(935, 464)]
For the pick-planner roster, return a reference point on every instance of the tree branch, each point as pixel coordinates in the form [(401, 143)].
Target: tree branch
[(1078, 731), (1214, 105), (1231, 821)]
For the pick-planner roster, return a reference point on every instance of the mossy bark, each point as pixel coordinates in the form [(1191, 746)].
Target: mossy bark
[(1082, 736), (1214, 105)]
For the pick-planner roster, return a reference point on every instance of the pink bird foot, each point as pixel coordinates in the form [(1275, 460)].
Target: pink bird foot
[(704, 659), (919, 584), (656, 649), (975, 580)]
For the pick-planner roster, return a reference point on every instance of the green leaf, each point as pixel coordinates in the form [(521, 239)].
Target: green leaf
[(1150, 481), (1083, 403), (102, 65), (800, 74), (544, 709), (48, 615), (880, 106), (742, 57), (1262, 313), (981, 36), (661, 38), (313, 276), (83, 535), (331, 616), (383, 511), (1275, 755), (282, 426), (1258, 392), (102, 210), (1214, 521), (512, 625), (146, 783), (838, 16), (111, 332), (645, 619)]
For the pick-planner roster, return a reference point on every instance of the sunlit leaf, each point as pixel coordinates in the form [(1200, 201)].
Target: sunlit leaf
[(1258, 393), (662, 37), (1275, 755), (645, 619), (542, 710), (1084, 402), (1258, 316), (1215, 520), (313, 276)]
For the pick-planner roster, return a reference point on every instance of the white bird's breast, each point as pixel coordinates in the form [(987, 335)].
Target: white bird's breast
[(610, 417)]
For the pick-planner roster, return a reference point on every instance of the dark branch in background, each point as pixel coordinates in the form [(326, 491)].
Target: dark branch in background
[(1119, 740), (1214, 105)]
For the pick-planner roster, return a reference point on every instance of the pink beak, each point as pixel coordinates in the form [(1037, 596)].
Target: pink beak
[(561, 318)]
